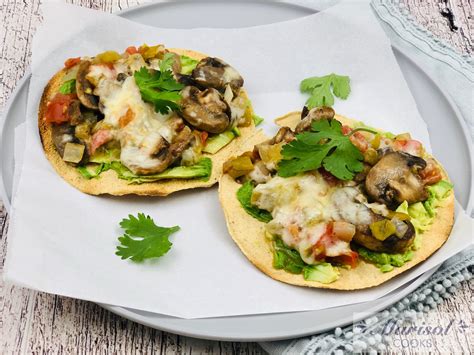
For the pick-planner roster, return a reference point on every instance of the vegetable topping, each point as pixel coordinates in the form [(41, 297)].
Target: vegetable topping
[(136, 105), (327, 192)]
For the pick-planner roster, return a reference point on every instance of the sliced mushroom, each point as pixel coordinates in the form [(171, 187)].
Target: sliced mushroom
[(351, 207), (62, 134), (314, 114), (187, 80), (215, 73), (74, 112), (179, 144), (163, 155), (205, 110), (393, 244), (284, 134), (395, 179), (84, 87)]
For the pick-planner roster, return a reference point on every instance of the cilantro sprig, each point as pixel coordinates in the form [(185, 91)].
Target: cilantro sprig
[(143, 239), (324, 146), (320, 89), (159, 87)]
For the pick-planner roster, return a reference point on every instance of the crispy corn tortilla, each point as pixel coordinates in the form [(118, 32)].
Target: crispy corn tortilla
[(108, 182), (249, 234)]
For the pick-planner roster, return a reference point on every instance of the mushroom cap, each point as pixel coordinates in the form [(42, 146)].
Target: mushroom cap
[(215, 73), (206, 110), (395, 179), (317, 113), (393, 244)]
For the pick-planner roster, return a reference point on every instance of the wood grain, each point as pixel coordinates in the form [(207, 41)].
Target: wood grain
[(449, 20), (35, 322)]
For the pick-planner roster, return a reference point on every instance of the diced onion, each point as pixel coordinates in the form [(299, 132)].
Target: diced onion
[(228, 94), (343, 230), (73, 152)]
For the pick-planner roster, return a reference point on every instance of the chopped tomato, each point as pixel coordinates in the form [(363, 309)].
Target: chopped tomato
[(71, 62), (131, 50), (358, 139), (329, 238), (347, 259), (409, 146), (99, 138), (343, 230), (346, 130), (57, 109), (431, 174), (204, 136), (326, 240)]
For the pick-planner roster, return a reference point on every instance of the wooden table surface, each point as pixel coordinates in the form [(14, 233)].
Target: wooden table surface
[(37, 322)]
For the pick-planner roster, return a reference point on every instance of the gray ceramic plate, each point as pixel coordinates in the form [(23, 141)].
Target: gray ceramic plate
[(445, 125)]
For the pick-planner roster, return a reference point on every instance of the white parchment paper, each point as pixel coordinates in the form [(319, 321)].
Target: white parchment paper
[(63, 241)]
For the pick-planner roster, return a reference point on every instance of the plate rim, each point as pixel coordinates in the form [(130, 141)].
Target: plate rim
[(405, 290), (136, 317)]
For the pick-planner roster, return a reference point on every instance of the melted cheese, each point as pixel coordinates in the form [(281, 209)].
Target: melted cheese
[(132, 121), (302, 206), (348, 208), (142, 135), (100, 72)]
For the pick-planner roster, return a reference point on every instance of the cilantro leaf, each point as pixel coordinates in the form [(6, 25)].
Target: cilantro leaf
[(307, 85), (300, 157), (159, 87), (341, 86), (325, 145), (320, 96), (320, 89), (143, 239)]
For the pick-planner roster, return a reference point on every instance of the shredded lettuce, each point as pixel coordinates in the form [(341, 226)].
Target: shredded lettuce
[(244, 195), (216, 143), (236, 131), (322, 272), (92, 171), (187, 64), (257, 119), (68, 87), (290, 260), (201, 170)]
